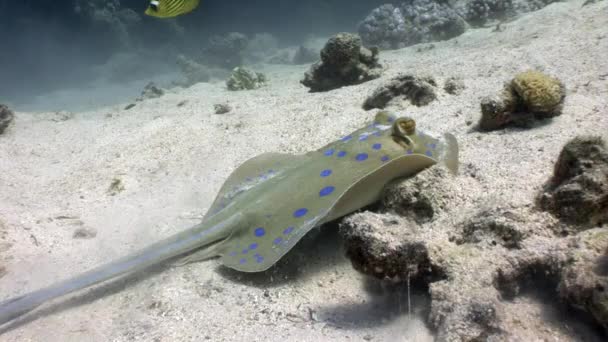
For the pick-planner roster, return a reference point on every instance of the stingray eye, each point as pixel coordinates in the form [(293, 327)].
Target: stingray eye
[(407, 126), (154, 5)]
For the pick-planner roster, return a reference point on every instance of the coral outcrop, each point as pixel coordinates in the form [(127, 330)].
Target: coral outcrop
[(479, 12), (394, 26), (578, 191), (245, 79), (344, 61), (529, 97), (419, 90), (482, 264), (410, 23)]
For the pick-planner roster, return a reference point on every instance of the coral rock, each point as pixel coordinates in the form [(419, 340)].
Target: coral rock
[(419, 90), (343, 62), (222, 108), (245, 79), (584, 282), (578, 191), (413, 22), (385, 247)]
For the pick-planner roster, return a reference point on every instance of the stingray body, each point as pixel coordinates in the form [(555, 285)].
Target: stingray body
[(271, 201)]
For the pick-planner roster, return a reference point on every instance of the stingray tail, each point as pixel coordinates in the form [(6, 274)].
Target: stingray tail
[(201, 235)]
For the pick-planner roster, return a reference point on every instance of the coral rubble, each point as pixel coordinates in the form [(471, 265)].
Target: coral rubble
[(454, 86), (344, 61), (419, 90), (222, 108)]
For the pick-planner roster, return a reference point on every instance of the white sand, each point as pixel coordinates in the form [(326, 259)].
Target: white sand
[(172, 160)]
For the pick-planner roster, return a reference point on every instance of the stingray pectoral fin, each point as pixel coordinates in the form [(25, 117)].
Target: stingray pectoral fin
[(200, 235), (266, 241), (369, 188), (252, 172)]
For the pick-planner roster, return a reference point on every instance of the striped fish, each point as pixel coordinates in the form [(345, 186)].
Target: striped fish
[(170, 8)]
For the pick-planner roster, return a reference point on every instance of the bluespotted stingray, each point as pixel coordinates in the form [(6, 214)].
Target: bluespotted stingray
[(271, 201)]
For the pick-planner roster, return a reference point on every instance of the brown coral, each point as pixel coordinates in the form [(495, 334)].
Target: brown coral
[(539, 92), (530, 96)]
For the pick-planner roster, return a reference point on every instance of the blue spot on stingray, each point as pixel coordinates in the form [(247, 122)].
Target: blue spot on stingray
[(429, 153), (363, 137), (259, 231), (433, 146), (341, 154), (300, 212), (325, 173), (347, 138), (384, 158), (233, 253), (245, 251), (253, 246), (361, 156), (326, 191), (278, 240), (329, 152), (288, 230), (377, 146), (410, 151), (242, 261), (259, 259)]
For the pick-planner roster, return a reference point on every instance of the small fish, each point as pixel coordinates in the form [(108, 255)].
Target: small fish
[(271, 201), (170, 8)]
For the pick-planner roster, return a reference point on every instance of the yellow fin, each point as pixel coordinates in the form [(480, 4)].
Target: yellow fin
[(170, 8)]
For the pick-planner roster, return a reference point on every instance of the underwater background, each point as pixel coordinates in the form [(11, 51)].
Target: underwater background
[(118, 129), (49, 45)]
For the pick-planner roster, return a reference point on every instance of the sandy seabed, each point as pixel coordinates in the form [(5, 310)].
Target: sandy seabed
[(56, 171)]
